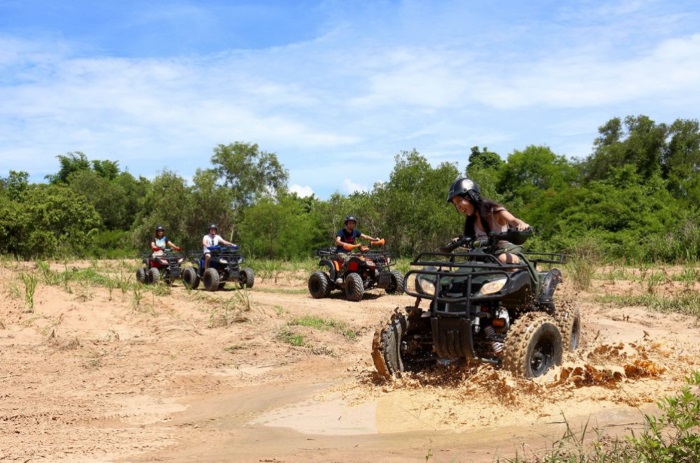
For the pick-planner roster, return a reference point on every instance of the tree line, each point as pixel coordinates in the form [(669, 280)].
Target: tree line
[(635, 196)]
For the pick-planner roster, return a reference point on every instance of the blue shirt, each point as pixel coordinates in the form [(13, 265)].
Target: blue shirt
[(347, 237)]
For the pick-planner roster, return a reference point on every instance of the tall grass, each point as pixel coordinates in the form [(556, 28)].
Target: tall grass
[(671, 437), (686, 302), (236, 309), (30, 282)]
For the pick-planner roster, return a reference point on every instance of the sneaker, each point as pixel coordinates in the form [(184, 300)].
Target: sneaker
[(339, 281)]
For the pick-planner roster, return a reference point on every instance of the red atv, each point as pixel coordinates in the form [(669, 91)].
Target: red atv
[(165, 266), (355, 272)]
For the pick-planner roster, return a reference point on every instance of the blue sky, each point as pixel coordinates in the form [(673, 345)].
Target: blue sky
[(335, 88)]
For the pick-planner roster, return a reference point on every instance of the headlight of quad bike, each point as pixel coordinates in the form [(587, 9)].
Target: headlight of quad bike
[(425, 286), (179, 261), (223, 261), (492, 287), (164, 261)]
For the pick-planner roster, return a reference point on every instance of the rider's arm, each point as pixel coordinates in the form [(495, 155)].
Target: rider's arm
[(173, 245), (338, 241), (367, 237), (505, 217)]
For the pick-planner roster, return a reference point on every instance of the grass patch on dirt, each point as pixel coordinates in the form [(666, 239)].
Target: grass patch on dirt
[(325, 324), (289, 337), (686, 302)]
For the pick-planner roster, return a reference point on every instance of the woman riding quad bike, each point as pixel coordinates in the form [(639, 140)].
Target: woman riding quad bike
[(488, 301)]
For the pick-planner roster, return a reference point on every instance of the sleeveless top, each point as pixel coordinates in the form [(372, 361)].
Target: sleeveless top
[(493, 224)]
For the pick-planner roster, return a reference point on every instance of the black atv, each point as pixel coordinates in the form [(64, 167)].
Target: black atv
[(480, 309), (165, 266), (354, 273), (224, 265)]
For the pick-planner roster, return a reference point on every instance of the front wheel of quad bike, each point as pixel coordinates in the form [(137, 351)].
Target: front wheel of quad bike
[(246, 278), (141, 275), (533, 345), (190, 278), (153, 276), (354, 287), (569, 321), (399, 346), (396, 285), (319, 285), (211, 279)]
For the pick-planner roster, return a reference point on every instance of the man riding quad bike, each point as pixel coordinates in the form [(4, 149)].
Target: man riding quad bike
[(355, 272), (163, 263), (480, 309), (224, 265)]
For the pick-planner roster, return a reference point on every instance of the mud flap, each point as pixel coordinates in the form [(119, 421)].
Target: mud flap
[(384, 280), (453, 337)]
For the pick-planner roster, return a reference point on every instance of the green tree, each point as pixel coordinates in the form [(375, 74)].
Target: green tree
[(681, 161), (483, 159), (13, 221), (639, 142), (411, 207), (528, 174), (70, 163), (283, 228), (621, 213), (248, 172), (168, 202), (15, 184), (55, 220), (106, 169), (211, 204)]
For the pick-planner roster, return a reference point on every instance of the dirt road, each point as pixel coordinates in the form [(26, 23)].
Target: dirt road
[(98, 374)]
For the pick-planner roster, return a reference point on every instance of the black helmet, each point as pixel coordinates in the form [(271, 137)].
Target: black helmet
[(350, 218), (464, 187), (213, 226), (160, 228)]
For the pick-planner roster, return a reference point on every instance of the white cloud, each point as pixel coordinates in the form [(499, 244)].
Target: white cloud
[(351, 187), (342, 105), (302, 191)]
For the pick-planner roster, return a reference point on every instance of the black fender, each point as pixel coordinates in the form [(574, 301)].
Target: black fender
[(549, 285), (331, 268)]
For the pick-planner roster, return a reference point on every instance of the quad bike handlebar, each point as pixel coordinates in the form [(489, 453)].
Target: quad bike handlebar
[(350, 247), (512, 235), (223, 248)]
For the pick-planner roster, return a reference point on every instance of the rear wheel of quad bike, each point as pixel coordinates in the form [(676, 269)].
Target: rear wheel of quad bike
[(319, 285), (211, 279), (569, 321), (396, 285), (533, 345), (246, 278), (153, 275), (354, 287), (399, 345), (190, 278), (141, 275)]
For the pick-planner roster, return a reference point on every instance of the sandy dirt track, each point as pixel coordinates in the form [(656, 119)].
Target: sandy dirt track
[(93, 374)]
